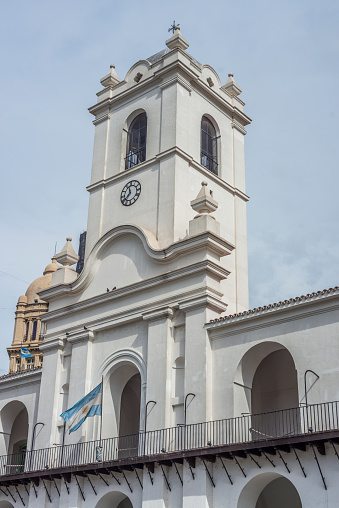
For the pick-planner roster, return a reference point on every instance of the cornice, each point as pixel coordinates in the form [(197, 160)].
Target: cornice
[(156, 80), (156, 315), (52, 344), (83, 336), (133, 313), (208, 266), (207, 301), (102, 118), (207, 240), (23, 378), (164, 155), (274, 314)]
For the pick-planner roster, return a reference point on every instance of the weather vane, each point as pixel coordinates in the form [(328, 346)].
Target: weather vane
[(174, 27)]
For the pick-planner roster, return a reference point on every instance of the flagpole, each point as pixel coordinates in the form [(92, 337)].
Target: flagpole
[(102, 399)]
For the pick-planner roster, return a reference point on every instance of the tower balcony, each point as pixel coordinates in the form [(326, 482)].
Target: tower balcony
[(248, 436)]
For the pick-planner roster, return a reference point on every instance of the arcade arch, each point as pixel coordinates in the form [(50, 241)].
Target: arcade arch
[(14, 428), (266, 380), (269, 490), (123, 397), (114, 500), (6, 504)]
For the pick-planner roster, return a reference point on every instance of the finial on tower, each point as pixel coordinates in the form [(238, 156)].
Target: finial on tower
[(111, 79), (177, 40), (231, 86), (204, 204), (174, 27), (67, 256)]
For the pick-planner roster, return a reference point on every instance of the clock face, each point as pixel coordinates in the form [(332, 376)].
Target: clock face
[(130, 193)]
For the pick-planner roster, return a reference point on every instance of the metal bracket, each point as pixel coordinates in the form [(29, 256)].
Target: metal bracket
[(167, 482), (237, 462), (3, 492), (207, 471), (297, 458), (49, 497), (55, 485), (35, 492), (177, 471), (269, 460), (320, 471), (136, 473), (123, 473), (26, 489), (81, 492), (67, 488), (103, 479), (282, 458), (115, 478), (91, 484), (17, 491), (191, 464), (223, 465), (335, 450), (253, 459)]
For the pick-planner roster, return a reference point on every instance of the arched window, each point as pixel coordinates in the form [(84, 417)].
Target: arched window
[(136, 141), (209, 156)]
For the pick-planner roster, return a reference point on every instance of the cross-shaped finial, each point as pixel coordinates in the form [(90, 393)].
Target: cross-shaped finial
[(173, 27)]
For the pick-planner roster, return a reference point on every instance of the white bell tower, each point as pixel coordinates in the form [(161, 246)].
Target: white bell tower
[(160, 132)]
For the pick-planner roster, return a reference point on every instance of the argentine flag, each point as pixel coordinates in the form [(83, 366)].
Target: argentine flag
[(25, 353), (90, 405)]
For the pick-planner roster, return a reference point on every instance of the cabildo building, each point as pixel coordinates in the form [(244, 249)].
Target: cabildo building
[(205, 403)]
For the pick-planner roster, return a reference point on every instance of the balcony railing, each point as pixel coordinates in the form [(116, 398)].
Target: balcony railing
[(287, 423), (135, 157)]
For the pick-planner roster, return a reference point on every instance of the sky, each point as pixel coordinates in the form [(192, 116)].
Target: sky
[(283, 54)]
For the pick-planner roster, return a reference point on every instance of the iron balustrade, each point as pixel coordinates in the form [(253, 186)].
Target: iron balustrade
[(135, 157), (209, 162), (298, 421)]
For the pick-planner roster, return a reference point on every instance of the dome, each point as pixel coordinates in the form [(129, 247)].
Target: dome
[(42, 282)]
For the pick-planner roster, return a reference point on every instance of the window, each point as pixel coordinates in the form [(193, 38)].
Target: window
[(209, 158), (26, 333), (136, 141), (35, 325)]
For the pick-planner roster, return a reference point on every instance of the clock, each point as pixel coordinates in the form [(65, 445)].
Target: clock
[(130, 193)]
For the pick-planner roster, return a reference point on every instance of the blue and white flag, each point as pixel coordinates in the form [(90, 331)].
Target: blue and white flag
[(90, 405), (25, 353)]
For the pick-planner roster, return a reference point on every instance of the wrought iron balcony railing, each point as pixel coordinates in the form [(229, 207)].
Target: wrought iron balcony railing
[(311, 420)]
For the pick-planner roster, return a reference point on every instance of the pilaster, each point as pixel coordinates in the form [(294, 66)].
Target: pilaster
[(158, 367)]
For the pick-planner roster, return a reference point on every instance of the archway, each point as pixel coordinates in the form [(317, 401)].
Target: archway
[(266, 382), (114, 500), (6, 504), (122, 406), (269, 490), (14, 433)]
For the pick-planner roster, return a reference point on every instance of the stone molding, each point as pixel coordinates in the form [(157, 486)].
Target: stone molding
[(203, 301), (50, 345), (213, 269), (178, 66), (134, 313), (158, 314), (124, 355), (84, 336), (165, 155), (275, 314), (207, 240)]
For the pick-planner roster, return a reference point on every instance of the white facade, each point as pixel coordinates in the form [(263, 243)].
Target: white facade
[(177, 260)]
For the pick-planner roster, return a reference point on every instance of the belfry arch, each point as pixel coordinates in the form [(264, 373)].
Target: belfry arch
[(269, 490), (266, 380)]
